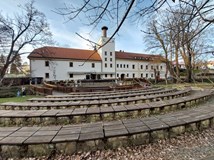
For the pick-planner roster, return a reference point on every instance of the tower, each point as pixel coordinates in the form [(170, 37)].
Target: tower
[(107, 54)]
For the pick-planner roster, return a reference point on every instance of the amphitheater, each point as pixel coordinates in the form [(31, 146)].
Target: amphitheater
[(90, 121)]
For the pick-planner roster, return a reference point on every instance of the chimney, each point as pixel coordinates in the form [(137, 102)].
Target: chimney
[(104, 29)]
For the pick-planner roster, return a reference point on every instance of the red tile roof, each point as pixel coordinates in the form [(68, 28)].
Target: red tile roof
[(64, 53), (135, 56), (80, 54)]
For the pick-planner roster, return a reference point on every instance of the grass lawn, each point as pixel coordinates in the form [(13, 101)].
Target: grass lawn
[(18, 99)]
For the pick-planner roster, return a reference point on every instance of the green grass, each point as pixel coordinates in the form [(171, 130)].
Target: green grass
[(18, 99)]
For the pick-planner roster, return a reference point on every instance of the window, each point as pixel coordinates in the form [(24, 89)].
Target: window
[(146, 75), (46, 63), (92, 65), (127, 66), (127, 75), (106, 75), (141, 66), (105, 53), (105, 64), (133, 66), (124, 66), (87, 76), (105, 59), (117, 75), (111, 59), (157, 67), (121, 65), (161, 67), (151, 74), (141, 75), (71, 64), (151, 67), (110, 65), (111, 75), (46, 75), (133, 75), (110, 53), (146, 66), (71, 75), (117, 65)]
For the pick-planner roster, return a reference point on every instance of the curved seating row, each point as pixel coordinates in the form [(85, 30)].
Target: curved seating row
[(109, 92), (36, 141), (92, 114), (106, 97), (93, 103), (106, 94)]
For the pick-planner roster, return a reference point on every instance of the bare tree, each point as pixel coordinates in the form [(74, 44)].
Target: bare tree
[(96, 12), (203, 9), (180, 35), (29, 28)]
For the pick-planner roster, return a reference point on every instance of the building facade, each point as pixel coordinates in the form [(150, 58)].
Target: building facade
[(55, 63)]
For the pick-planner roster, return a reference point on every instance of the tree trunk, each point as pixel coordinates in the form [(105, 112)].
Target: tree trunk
[(177, 67), (189, 66), (155, 74), (2, 73)]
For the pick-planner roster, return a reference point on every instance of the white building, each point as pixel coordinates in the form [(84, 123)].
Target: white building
[(55, 63)]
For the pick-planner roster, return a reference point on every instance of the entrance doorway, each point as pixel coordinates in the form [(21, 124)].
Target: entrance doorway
[(93, 76), (122, 76)]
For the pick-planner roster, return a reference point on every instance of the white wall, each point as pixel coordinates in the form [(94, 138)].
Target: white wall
[(137, 71), (60, 69)]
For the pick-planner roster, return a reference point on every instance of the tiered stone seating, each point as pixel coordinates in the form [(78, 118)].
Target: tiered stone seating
[(100, 97), (43, 128), (105, 93), (60, 104)]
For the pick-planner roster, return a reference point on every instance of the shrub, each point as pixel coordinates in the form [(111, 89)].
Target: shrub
[(7, 94)]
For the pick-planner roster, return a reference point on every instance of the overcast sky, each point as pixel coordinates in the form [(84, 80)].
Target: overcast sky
[(129, 38)]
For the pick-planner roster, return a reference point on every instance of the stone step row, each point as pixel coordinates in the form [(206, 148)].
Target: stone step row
[(92, 103), (37, 141), (93, 114), (106, 97), (109, 92), (106, 94)]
